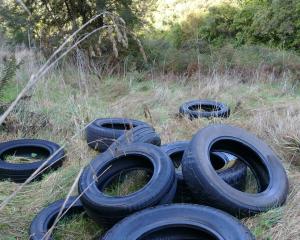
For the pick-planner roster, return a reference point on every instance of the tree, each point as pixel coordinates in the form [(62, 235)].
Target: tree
[(52, 20)]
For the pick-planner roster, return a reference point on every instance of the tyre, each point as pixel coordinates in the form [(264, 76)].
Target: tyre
[(102, 132), (201, 177), (204, 109), (140, 134), (231, 170), (106, 209), (44, 219), (37, 151), (177, 222), (234, 172)]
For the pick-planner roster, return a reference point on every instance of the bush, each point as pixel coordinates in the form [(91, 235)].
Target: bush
[(164, 55), (248, 59), (272, 22), (218, 25), (228, 36), (275, 23)]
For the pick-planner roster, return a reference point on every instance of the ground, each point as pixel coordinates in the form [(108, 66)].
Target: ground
[(69, 98)]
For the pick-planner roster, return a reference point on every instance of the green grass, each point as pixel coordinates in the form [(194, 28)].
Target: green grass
[(127, 182), (251, 183), (68, 227), (7, 95), (266, 221), (22, 159), (10, 93)]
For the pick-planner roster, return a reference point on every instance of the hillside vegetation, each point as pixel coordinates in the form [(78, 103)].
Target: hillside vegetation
[(270, 22)]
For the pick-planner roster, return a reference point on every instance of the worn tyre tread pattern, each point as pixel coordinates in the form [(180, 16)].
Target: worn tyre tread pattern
[(100, 138), (140, 134)]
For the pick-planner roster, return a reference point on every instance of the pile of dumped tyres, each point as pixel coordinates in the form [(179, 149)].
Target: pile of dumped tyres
[(196, 188)]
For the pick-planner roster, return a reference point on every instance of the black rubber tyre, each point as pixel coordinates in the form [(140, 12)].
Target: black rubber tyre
[(105, 209), (101, 133), (19, 172), (140, 134), (233, 172), (209, 109), (45, 218), (201, 177), (178, 222)]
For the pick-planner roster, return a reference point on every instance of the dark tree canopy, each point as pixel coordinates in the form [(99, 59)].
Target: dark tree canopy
[(52, 20)]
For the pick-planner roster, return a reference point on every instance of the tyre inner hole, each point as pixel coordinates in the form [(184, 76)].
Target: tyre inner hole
[(257, 177), (127, 174), (26, 154), (179, 232), (217, 162), (176, 158), (119, 126), (204, 108)]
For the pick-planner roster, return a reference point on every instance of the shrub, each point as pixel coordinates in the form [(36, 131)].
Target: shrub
[(218, 26), (272, 22)]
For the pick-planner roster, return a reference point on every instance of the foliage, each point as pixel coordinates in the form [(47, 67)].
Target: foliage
[(246, 59), (199, 31), (13, 22), (231, 35), (177, 11), (49, 22), (218, 24), (272, 22), (8, 72)]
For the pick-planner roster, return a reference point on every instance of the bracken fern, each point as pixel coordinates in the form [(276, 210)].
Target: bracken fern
[(8, 73)]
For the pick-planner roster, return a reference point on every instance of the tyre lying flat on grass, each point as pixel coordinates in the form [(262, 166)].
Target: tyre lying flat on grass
[(201, 177), (106, 209), (177, 222), (204, 109), (44, 219), (33, 153), (101, 133)]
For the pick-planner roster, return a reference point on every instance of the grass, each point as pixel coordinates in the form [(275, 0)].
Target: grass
[(267, 108), (22, 159), (251, 183), (68, 228), (10, 93), (126, 183)]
